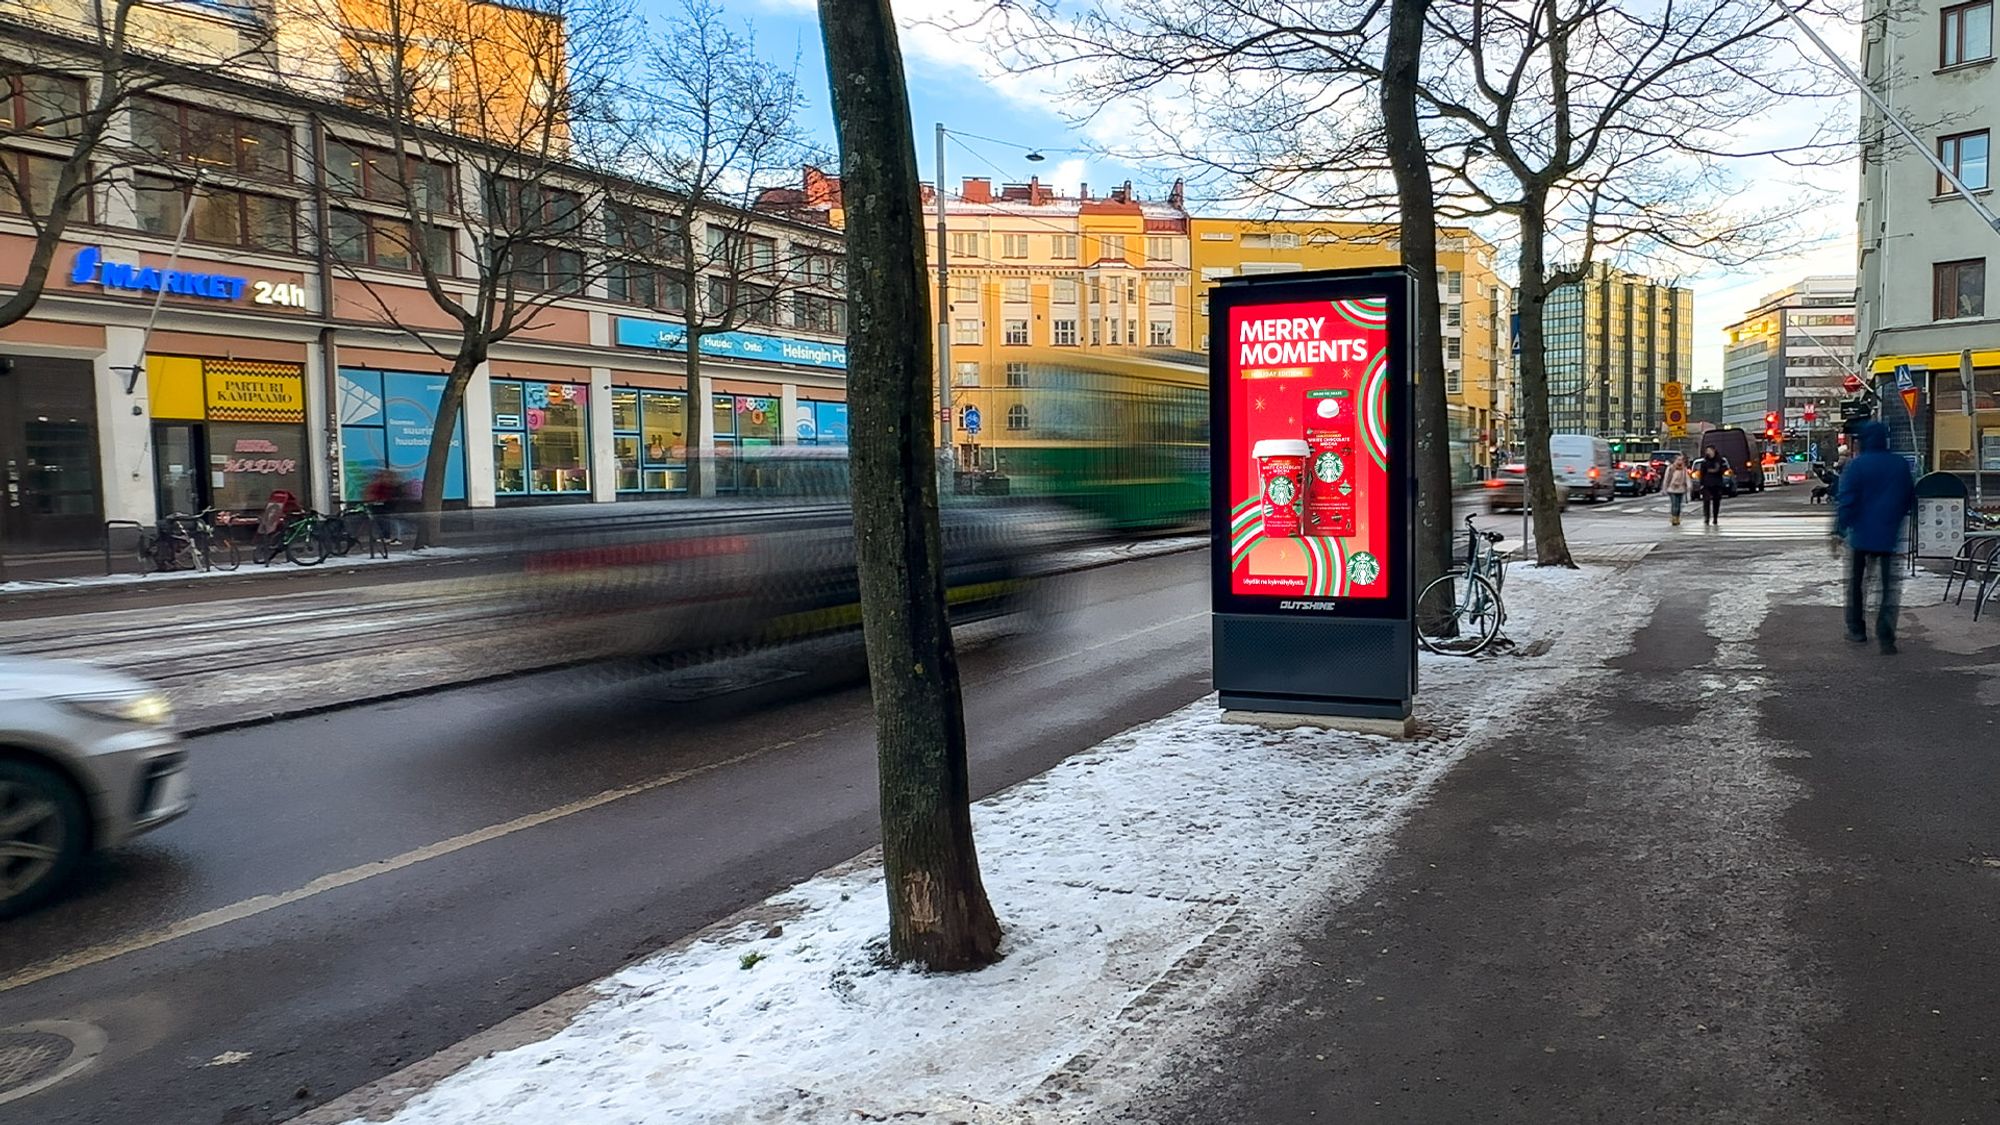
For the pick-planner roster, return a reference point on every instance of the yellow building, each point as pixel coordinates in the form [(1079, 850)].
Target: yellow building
[(1476, 307)]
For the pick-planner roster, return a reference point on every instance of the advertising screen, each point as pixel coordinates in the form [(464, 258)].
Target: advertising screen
[(1309, 458)]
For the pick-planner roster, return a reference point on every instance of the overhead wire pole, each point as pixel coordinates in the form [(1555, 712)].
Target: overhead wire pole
[(947, 466)]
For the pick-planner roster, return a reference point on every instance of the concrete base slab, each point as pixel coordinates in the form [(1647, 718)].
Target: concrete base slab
[(1282, 720)]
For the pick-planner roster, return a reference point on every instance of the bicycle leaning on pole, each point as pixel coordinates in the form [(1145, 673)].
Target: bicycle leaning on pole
[(1460, 612)]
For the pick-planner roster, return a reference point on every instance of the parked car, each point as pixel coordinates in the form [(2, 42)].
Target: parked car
[(1583, 466), (88, 759), (1630, 480)]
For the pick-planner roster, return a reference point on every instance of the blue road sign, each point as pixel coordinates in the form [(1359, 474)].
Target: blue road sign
[(971, 420), (1903, 381)]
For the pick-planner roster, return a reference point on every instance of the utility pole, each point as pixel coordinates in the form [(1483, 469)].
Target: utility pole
[(946, 462)]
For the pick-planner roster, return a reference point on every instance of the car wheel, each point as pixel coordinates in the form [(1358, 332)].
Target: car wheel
[(43, 833)]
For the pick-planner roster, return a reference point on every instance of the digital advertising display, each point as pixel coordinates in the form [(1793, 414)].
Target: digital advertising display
[(1311, 491)]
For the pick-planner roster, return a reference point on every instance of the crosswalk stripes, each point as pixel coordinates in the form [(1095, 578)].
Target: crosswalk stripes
[(1770, 528)]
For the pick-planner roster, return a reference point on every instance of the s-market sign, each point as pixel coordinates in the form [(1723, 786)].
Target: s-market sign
[(91, 268)]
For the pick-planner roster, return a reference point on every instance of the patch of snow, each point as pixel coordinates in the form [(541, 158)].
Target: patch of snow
[(1135, 880), (248, 571)]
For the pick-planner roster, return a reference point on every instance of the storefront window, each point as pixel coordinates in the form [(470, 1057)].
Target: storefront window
[(756, 420), (247, 463), (665, 452), (821, 423), (541, 438)]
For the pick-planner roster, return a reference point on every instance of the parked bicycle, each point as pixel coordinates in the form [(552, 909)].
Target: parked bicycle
[(300, 537), (1460, 612), (184, 542), (353, 525)]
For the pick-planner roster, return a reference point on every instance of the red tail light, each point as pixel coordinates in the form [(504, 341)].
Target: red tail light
[(1495, 483), (1593, 474)]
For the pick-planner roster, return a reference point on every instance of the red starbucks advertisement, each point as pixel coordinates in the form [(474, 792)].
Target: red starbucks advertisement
[(1313, 502)]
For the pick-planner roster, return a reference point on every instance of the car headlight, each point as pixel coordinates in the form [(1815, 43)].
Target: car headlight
[(149, 709)]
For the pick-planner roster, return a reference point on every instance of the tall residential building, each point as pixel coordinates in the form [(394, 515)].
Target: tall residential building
[(1792, 350), (1614, 339), (1924, 256), (1476, 307)]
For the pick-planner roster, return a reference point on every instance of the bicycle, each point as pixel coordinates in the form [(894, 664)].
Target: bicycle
[(300, 539), (1460, 612), (353, 524), (183, 542)]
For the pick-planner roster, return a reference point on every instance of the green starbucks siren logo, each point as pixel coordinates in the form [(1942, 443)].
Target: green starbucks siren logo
[(1282, 492), (1329, 467), (1362, 569)]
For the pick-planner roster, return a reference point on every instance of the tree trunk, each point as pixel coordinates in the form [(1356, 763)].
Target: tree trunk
[(938, 913), (1551, 547), (700, 470), (1409, 161), (437, 459)]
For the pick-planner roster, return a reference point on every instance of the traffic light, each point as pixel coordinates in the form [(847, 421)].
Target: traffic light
[(1773, 430)]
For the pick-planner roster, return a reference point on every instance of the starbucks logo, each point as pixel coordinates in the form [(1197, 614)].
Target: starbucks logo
[(1329, 467), (1282, 492), (1362, 569)]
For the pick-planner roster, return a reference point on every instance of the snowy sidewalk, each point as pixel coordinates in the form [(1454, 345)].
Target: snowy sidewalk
[(1138, 882)]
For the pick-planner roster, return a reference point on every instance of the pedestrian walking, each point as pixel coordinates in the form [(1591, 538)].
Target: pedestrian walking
[(383, 495), (1712, 475), (1876, 496), (1676, 485)]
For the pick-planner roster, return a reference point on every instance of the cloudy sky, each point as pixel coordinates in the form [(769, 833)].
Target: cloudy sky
[(996, 118)]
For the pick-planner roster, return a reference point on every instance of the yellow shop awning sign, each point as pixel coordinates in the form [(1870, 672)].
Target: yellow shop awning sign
[(241, 396)]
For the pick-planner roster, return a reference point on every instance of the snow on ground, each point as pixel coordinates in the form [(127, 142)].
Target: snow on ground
[(1136, 881)]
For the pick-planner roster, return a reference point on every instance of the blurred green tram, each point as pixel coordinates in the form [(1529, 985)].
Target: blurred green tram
[(1121, 438)]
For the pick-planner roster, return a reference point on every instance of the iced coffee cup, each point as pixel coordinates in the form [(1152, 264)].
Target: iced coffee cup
[(1281, 469)]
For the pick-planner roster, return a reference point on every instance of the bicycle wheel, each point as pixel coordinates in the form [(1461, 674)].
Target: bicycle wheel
[(223, 553), (339, 536), (1458, 614), (361, 532), (306, 546)]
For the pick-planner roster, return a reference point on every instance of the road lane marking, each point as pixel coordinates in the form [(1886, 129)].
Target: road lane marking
[(262, 904), (1025, 668)]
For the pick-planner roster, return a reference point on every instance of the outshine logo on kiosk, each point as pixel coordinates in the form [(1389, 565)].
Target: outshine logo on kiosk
[(1309, 486)]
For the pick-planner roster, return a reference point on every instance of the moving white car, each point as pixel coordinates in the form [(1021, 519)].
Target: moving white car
[(1582, 466), (88, 760)]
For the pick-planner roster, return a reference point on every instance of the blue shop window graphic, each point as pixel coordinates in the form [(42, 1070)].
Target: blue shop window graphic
[(387, 418)]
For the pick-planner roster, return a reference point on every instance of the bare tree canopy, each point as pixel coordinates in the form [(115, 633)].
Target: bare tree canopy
[(1589, 129)]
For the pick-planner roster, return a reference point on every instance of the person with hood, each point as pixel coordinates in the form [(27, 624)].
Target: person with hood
[(1676, 484), (1876, 496), (1711, 474)]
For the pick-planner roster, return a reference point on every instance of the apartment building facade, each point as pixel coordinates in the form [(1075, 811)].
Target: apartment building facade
[(1791, 351), (1614, 340), (1922, 303), (238, 310)]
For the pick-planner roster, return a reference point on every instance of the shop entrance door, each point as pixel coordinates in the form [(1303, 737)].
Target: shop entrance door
[(179, 456), (48, 455)]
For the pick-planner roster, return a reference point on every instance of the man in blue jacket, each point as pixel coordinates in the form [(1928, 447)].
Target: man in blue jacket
[(1876, 495)]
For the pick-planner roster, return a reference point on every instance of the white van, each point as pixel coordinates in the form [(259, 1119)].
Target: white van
[(1583, 466)]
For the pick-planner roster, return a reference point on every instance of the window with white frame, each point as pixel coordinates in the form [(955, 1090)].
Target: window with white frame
[(966, 244), (1160, 292), (1160, 333), (1017, 417), (1454, 316), (1454, 381), (1062, 248), (1014, 290), (1017, 374), (964, 290), (1014, 332), (968, 375), (1096, 333), (1013, 245), (965, 331), (1062, 333), (1454, 283), (1454, 348), (1110, 246), (1062, 291), (1132, 331), (1159, 249)]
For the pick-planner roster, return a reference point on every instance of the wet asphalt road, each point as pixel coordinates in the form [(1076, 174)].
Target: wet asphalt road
[(610, 812)]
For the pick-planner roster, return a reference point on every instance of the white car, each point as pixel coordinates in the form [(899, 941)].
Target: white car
[(88, 759)]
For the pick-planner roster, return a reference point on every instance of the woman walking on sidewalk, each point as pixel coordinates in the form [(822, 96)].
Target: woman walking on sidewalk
[(1676, 487)]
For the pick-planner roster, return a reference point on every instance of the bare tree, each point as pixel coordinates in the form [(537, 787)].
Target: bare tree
[(938, 913), (1592, 128), (77, 69), (476, 162), (717, 127), (1604, 129)]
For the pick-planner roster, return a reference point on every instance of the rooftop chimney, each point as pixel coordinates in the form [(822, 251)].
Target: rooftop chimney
[(978, 189)]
